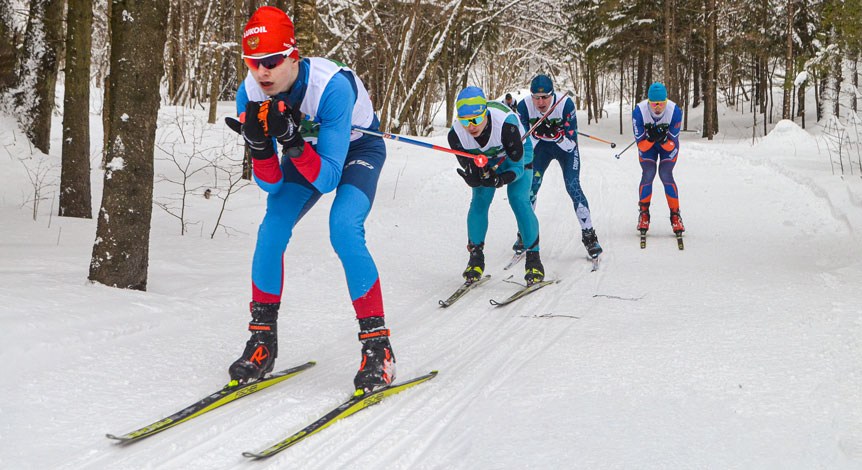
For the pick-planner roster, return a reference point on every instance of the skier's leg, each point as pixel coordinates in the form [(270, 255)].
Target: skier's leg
[(477, 216), (648, 161), (665, 173), (283, 210), (571, 165), (353, 200), (519, 199)]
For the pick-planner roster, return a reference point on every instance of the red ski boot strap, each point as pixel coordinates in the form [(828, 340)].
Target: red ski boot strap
[(380, 332), (260, 326)]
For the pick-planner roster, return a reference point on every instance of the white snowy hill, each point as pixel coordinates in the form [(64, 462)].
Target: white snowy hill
[(742, 351)]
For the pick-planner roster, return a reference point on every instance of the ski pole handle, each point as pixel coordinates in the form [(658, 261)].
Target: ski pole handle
[(617, 156)]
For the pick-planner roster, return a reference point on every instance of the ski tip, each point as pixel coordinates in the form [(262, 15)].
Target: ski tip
[(253, 455), (111, 436)]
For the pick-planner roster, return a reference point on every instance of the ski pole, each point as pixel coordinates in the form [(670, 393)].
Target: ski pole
[(480, 160), (613, 145), (524, 137), (617, 156)]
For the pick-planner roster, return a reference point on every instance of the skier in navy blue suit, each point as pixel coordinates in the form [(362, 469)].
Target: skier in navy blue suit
[(556, 138), (276, 103)]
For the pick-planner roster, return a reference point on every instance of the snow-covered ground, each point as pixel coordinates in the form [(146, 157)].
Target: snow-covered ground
[(743, 351)]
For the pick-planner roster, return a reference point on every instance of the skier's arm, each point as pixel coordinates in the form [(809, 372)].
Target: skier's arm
[(267, 171), (322, 165), (673, 131), (569, 128), (640, 131), (513, 166), (469, 171), (524, 116)]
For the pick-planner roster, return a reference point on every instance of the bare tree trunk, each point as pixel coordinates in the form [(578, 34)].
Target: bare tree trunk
[(75, 172), (711, 95), (788, 63), (7, 47), (121, 250), (43, 42), (305, 22), (838, 78), (669, 52), (106, 88)]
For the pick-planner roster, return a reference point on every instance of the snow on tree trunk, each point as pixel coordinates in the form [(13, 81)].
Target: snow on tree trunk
[(38, 75)]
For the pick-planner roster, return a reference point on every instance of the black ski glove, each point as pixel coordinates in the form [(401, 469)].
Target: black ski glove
[(471, 174), (494, 180), (662, 134), (251, 129), (284, 123), (652, 132)]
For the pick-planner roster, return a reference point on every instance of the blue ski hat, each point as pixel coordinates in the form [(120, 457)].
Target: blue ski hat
[(542, 84), (657, 92), (471, 102)]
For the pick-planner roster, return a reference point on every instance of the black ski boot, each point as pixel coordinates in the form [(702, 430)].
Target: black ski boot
[(378, 361), (261, 349), (591, 242), (476, 265), (535, 271), (518, 247)]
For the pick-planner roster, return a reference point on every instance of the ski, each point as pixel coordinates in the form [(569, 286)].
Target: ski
[(466, 287), (643, 239), (229, 393), (679, 241), (356, 403), (523, 291), (516, 258)]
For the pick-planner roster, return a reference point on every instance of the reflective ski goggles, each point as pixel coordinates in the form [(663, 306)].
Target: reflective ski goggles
[(657, 104), (472, 121), (269, 61), (541, 97)]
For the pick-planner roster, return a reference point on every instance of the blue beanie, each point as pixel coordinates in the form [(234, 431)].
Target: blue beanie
[(542, 84), (657, 92), (471, 102)]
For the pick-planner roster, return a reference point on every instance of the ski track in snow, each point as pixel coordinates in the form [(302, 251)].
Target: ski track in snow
[(742, 351)]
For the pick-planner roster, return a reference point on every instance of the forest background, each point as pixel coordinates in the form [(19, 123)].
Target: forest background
[(413, 56)]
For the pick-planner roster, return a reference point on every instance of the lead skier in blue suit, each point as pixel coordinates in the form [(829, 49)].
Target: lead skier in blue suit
[(275, 102)]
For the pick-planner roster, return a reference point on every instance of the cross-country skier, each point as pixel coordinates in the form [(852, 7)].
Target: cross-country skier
[(556, 138), (278, 97), (656, 123), (512, 103), (491, 129)]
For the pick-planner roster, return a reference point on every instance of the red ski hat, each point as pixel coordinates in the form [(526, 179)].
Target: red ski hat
[(269, 31)]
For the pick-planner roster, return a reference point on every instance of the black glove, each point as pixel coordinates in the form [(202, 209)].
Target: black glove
[(652, 132), (471, 174), (662, 136), (494, 180), (544, 130), (284, 123), (259, 144)]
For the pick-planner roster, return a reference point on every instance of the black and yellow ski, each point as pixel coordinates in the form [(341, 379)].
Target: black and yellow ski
[(466, 287), (229, 393), (523, 291), (357, 402)]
